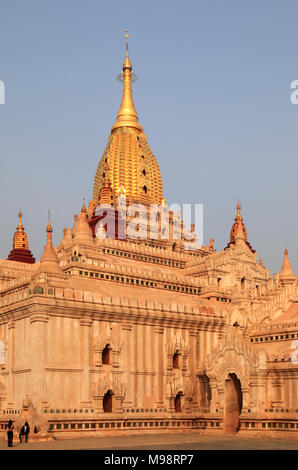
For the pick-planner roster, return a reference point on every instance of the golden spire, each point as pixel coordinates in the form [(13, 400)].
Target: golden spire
[(238, 217), (20, 220), (127, 114), (20, 239), (132, 168), (20, 248)]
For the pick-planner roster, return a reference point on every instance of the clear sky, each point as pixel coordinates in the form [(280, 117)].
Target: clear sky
[(213, 96)]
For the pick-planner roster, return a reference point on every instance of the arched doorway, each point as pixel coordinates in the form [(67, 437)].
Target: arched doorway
[(177, 403), (233, 403), (108, 402)]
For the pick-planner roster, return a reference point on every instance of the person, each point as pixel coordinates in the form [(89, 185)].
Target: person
[(22, 432), (10, 429), (25, 429)]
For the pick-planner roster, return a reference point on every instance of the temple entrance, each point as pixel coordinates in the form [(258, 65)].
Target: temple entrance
[(233, 404), (108, 402), (177, 403)]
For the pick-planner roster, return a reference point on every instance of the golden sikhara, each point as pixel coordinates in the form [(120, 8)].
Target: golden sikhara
[(133, 169)]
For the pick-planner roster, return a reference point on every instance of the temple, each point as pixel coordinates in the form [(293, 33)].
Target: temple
[(125, 327)]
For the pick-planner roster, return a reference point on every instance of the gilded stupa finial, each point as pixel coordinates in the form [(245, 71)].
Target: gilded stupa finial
[(126, 37), (239, 215), (127, 115), (20, 215), (127, 63)]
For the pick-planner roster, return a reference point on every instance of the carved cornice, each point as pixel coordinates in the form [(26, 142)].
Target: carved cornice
[(39, 318)]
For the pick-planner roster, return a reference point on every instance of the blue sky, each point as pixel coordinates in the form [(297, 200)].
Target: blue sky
[(213, 96)]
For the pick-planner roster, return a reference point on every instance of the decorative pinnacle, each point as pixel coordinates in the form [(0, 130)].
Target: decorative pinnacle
[(83, 210), (127, 115), (238, 216), (20, 238), (49, 227), (20, 215), (127, 36), (286, 269)]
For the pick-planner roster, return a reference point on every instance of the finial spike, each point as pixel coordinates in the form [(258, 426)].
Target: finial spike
[(84, 206), (127, 115), (20, 218), (49, 226), (238, 216), (126, 37)]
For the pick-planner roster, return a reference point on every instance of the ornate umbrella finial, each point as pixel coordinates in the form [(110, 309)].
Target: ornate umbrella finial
[(49, 226)]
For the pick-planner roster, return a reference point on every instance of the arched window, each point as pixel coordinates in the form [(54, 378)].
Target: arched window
[(106, 354), (145, 189), (108, 402), (38, 290), (144, 172), (177, 402), (176, 360), (2, 353)]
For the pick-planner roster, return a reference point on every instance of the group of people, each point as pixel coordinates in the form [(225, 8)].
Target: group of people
[(25, 429)]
